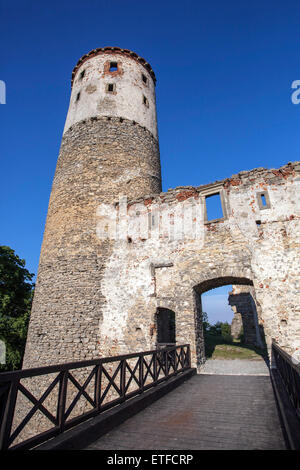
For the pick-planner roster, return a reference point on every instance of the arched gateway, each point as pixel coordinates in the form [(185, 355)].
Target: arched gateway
[(201, 288)]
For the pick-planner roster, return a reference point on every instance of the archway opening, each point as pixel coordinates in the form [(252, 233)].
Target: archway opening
[(217, 318), (166, 328), (227, 320)]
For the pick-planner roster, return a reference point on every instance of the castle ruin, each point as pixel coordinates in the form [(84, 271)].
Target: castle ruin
[(117, 252)]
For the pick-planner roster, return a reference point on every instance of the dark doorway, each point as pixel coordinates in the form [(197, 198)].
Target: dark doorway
[(166, 334)]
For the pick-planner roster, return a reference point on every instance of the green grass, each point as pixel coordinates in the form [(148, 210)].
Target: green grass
[(218, 348)]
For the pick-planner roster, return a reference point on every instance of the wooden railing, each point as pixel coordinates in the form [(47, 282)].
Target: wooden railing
[(289, 371), (110, 381)]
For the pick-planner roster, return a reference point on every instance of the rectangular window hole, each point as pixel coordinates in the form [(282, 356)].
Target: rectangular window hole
[(145, 80), (152, 220), (213, 207), (263, 200), (78, 96), (113, 66), (82, 75), (110, 87)]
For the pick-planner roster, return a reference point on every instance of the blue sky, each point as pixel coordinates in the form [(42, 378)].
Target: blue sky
[(215, 304), (224, 72)]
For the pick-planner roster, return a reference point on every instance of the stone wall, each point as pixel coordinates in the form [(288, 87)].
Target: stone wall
[(107, 304), (245, 317), (249, 246), (236, 327)]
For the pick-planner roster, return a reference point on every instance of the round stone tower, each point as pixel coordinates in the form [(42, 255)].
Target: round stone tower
[(109, 148)]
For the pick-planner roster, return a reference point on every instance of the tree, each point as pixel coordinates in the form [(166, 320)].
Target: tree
[(216, 329), (226, 332), (221, 329), (225, 328), (16, 292)]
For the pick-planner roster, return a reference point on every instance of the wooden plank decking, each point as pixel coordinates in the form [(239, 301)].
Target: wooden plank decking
[(206, 412)]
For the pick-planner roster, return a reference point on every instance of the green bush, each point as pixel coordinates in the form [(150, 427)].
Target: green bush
[(227, 338), (221, 329), (226, 332), (225, 329), (216, 329)]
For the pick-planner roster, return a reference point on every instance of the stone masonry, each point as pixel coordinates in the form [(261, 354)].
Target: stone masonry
[(245, 317), (236, 327), (248, 246)]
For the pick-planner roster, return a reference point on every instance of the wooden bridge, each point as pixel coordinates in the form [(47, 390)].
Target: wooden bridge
[(154, 400)]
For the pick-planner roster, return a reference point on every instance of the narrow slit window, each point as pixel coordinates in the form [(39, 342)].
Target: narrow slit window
[(111, 87), (78, 97), (145, 101), (213, 207), (82, 75), (113, 66), (144, 78)]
